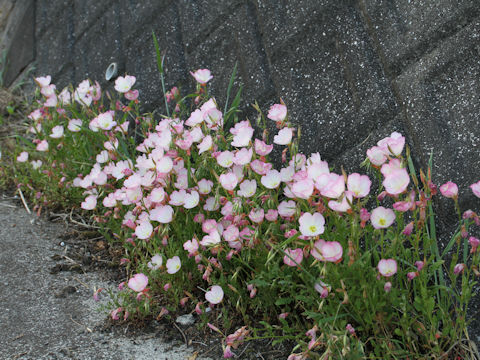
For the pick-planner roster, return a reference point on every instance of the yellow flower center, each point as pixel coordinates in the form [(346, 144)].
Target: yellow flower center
[(382, 222), (313, 228)]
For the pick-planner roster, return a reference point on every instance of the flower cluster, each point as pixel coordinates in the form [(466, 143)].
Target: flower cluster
[(199, 205)]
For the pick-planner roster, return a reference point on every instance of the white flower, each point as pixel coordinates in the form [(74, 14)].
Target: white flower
[(57, 132), (155, 262), (214, 295), (173, 265), (312, 225), (284, 136), (124, 84), (144, 230), (271, 180)]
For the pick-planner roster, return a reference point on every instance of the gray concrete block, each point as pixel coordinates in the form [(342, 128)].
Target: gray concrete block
[(88, 12), (237, 39), (54, 48), (408, 29), (280, 20), (332, 82), (21, 49), (140, 55), (48, 12), (99, 46), (441, 95), (200, 18)]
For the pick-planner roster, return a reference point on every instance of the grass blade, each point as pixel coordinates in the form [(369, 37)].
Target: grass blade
[(160, 59)]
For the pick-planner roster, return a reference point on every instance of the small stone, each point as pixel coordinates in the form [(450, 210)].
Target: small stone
[(185, 320)]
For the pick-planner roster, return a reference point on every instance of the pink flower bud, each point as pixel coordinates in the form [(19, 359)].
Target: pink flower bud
[(350, 329), (407, 231), (449, 190), (458, 268), (419, 265), (412, 275), (387, 287), (474, 242)]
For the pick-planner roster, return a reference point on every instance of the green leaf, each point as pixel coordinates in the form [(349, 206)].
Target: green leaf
[(283, 301), (230, 85)]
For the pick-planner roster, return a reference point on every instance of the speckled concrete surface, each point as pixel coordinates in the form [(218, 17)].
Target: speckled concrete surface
[(53, 316)]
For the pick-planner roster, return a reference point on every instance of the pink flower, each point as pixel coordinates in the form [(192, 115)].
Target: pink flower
[(243, 156), (247, 188), (162, 213), (350, 329), (256, 215), (173, 265), (387, 287), (407, 231), (474, 242), (376, 156), (330, 251), (419, 264), (284, 136), (449, 190), (387, 267), (144, 230), (214, 118), (115, 313), (90, 202), (191, 200), (105, 120), (191, 246), (225, 159), (396, 181), (260, 167), (271, 215), (131, 95), (138, 283), (227, 352), (344, 204), (458, 268), (262, 148), (205, 186), (231, 233), (476, 188), (392, 145), (243, 133), (312, 225), (277, 112), (228, 181), (155, 262), (57, 132), (382, 218), (124, 84), (209, 225), (202, 76), (287, 208), (302, 189), (271, 180), (195, 118), (334, 186), (412, 275), (43, 81), (214, 295), (23, 157), (293, 257), (212, 238), (42, 145), (359, 185), (322, 288)]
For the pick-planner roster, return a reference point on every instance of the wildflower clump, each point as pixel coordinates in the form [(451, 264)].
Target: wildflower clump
[(208, 222)]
